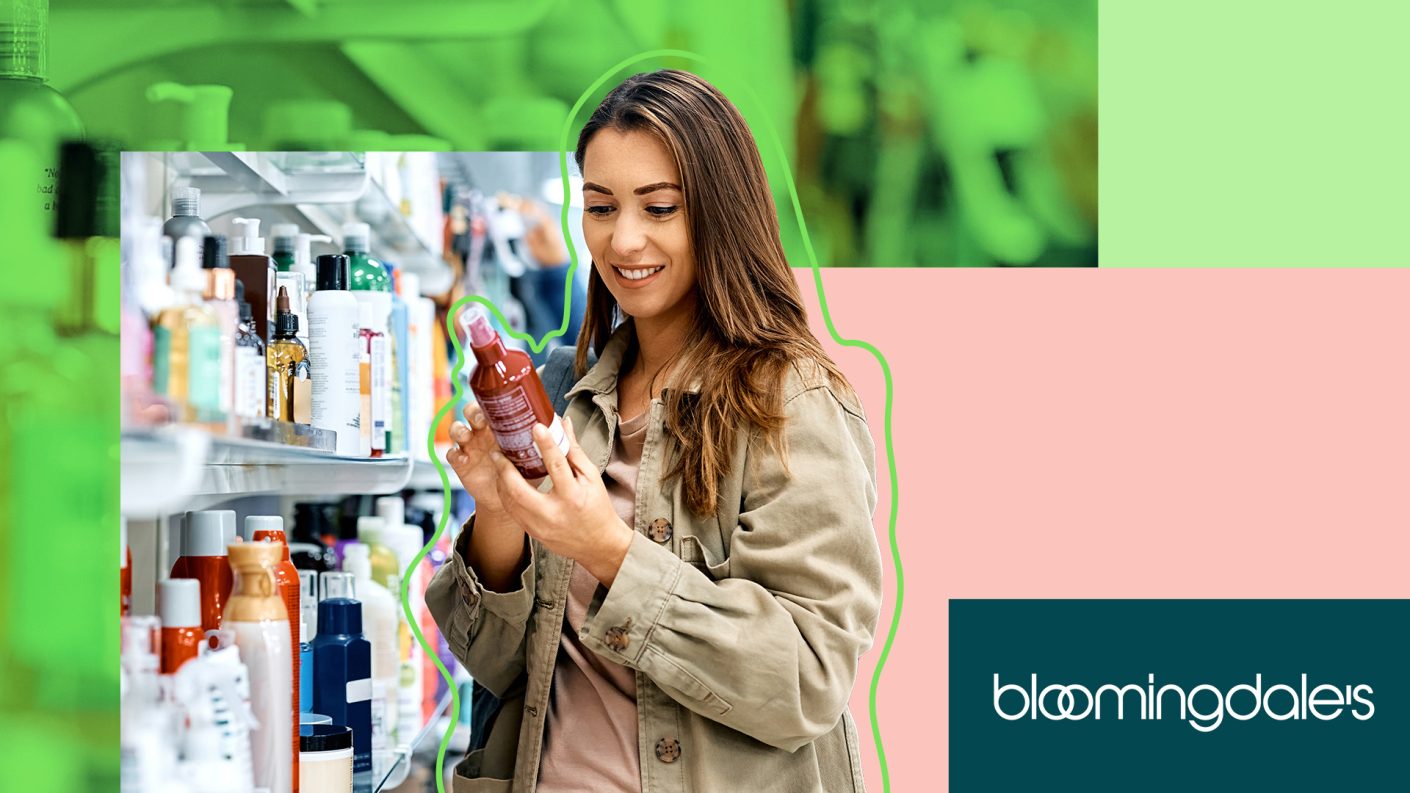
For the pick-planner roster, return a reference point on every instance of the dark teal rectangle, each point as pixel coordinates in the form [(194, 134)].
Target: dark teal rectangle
[(1223, 643)]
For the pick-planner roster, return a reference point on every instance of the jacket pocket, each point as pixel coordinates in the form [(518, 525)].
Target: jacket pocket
[(462, 782), (692, 552)]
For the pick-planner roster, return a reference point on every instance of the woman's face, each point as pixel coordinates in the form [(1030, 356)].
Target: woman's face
[(635, 226)]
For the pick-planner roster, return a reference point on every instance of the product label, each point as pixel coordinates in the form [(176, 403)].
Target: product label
[(276, 400), (204, 373), (511, 418), (251, 382), (381, 392), (161, 361), (360, 690)]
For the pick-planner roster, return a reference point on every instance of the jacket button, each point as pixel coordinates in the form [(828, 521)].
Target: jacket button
[(668, 749), (617, 638), (659, 530)]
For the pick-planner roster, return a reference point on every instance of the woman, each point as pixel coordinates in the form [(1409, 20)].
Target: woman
[(682, 605)]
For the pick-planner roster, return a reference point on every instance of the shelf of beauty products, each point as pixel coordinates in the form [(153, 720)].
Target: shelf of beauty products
[(400, 767), (177, 467), (319, 191)]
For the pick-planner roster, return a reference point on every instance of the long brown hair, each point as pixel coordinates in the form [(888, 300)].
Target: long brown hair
[(750, 324)]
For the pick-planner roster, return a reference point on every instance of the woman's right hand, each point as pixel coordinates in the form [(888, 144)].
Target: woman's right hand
[(472, 443)]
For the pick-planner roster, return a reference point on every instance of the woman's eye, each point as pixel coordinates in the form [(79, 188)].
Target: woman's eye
[(598, 210), (662, 211)]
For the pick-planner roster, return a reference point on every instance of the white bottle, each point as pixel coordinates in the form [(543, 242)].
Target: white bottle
[(332, 348), (379, 625), (406, 542), (258, 618)]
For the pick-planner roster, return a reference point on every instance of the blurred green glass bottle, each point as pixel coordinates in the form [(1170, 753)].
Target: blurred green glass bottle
[(30, 110)]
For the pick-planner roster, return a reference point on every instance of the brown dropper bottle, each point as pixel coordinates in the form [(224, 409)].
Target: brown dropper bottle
[(508, 389), (290, 389)]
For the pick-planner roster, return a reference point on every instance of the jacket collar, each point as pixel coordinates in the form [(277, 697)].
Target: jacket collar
[(602, 377)]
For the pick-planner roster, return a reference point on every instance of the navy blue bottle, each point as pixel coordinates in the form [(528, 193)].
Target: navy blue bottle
[(342, 689)]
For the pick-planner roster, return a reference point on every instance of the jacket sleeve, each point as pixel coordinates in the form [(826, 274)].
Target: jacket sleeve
[(771, 650), (485, 630)]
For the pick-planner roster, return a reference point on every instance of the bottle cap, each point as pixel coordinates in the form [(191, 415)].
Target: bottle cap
[(391, 509), (213, 252), (477, 325), (228, 525), (338, 616), (254, 524), (186, 201), (247, 240), (369, 528), (284, 237), (24, 29), (179, 602), (355, 238), (286, 323), (336, 585), (324, 738), (204, 533), (357, 559), (332, 271)]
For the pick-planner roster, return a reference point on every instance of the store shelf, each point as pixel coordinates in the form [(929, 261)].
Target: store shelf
[(425, 477), (319, 191), (401, 766), (178, 468)]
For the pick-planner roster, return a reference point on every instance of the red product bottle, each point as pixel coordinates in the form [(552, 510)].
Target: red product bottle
[(179, 606), (203, 543), (508, 389), (124, 571), (270, 528)]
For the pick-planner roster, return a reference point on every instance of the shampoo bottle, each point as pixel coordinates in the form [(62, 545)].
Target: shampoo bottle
[(379, 625), (251, 374), (343, 657), (259, 619), (186, 342), (220, 295), (270, 529), (405, 542), (257, 271), (333, 341), (508, 389), (371, 286), (371, 349), (185, 220), (203, 557)]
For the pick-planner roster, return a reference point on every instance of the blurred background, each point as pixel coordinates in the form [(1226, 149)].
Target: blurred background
[(950, 133)]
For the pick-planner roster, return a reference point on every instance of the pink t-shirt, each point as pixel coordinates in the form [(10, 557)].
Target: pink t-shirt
[(590, 741)]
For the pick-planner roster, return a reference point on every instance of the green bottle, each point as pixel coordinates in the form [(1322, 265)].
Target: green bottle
[(31, 111)]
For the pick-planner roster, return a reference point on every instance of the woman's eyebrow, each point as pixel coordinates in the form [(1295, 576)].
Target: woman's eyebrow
[(654, 186), (594, 186)]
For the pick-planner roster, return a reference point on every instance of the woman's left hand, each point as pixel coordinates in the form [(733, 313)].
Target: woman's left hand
[(575, 518)]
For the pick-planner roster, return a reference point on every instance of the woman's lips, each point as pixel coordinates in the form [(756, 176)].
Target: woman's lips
[(636, 277)]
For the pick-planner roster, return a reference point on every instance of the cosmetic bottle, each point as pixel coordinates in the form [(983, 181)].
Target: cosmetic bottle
[(30, 110), (186, 341), (333, 357), (179, 607), (342, 689), (295, 269), (290, 388), (124, 570), (371, 349), (270, 529), (327, 758), (212, 695), (203, 557), (185, 220), (379, 625), (251, 374), (148, 754), (372, 288), (220, 295), (259, 619), (385, 568), (405, 543), (508, 389), (86, 224), (399, 358), (257, 271)]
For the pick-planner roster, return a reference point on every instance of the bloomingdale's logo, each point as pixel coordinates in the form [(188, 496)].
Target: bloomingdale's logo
[(1203, 706)]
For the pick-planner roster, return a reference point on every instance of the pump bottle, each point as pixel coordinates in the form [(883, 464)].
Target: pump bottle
[(220, 295), (186, 343)]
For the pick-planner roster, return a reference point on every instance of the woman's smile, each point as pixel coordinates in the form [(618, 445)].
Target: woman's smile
[(636, 276)]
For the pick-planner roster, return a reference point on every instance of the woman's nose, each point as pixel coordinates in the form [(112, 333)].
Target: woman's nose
[(628, 237)]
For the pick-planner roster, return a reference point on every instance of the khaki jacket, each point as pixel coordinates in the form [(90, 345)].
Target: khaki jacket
[(744, 628)]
